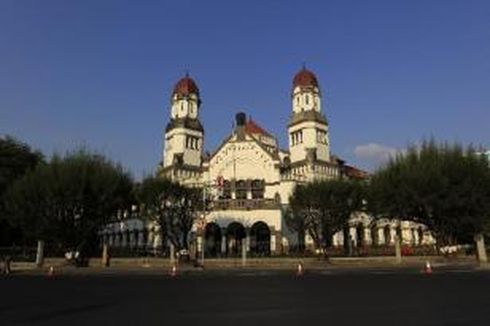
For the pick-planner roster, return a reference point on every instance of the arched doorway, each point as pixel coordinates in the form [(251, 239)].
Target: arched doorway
[(235, 233), (260, 239), (421, 235), (387, 235), (374, 235), (360, 235), (212, 236)]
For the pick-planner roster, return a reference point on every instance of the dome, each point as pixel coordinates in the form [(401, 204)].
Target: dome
[(305, 78), (186, 86)]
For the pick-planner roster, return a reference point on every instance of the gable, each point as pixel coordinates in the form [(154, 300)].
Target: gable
[(243, 159)]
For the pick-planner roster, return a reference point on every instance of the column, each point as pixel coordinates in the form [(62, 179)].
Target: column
[(149, 238), (223, 241), (353, 235), (368, 240), (381, 236), (392, 235), (124, 239), (337, 239)]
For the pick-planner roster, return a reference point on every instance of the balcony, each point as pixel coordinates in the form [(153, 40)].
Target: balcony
[(245, 204)]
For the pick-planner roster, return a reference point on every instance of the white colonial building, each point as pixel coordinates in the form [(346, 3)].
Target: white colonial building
[(249, 178)]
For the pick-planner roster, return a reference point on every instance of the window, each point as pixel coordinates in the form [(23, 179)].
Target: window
[(296, 137), (192, 142), (258, 189), (307, 99), (321, 136), (241, 189), (226, 190)]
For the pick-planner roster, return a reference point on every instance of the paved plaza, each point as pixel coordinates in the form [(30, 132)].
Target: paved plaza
[(387, 296)]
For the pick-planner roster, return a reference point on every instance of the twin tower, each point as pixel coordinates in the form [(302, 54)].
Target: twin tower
[(307, 127)]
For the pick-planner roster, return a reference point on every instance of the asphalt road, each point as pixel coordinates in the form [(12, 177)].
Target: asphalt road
[(248, 298)]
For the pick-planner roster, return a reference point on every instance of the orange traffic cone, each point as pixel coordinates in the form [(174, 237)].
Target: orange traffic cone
[(300, 271), (428, 268), (173, 271), (51, 271)]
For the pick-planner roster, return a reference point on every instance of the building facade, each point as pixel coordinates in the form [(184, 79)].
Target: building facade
[(248, 179)]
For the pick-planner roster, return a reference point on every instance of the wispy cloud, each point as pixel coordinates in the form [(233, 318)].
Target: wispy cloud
[(375, 154)]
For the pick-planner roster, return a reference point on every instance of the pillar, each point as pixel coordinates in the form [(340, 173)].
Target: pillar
[(244, 250), (247, 240), (353, 235), (398, 251), (105, 255), (124, 239), (368, 240), (172, 254), (223, 241), (480, 249), (392, 235), (40, 253), (149, 240), (415, 237)]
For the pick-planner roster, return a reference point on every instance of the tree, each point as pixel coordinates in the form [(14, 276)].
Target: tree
[(445, 187), (68, 200), (324, 208), (16, 159), (173, 207), (300, 213)]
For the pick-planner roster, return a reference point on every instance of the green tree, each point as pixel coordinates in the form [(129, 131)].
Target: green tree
[(301, 212), (16, 159), (68, 200), (173, 207), (445, 187), (324, 207)]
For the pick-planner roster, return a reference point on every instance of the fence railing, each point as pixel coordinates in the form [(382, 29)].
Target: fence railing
[(245, 204), (18, 253)]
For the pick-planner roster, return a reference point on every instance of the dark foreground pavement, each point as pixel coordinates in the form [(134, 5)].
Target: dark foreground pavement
[(248, 298)]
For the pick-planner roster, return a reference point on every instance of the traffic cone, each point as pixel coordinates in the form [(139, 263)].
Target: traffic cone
[(300, 271), (173, 271), (428, 268), (51, 271)]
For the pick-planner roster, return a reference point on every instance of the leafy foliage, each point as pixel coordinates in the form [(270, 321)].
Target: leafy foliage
[(323, 208), (173, 207), (16, 159), (66, 201), (444, 187)]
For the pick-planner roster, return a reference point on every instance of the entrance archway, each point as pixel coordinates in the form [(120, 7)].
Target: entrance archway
[(387, 235), (360, 235), (212, 236), (374, 235), (260, 239), (235, 233)]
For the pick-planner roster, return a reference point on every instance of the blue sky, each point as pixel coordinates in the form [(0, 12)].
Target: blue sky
[(99, 73)]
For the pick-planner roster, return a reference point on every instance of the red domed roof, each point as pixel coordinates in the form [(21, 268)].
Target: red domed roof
[(305, 78), (186, 86)]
